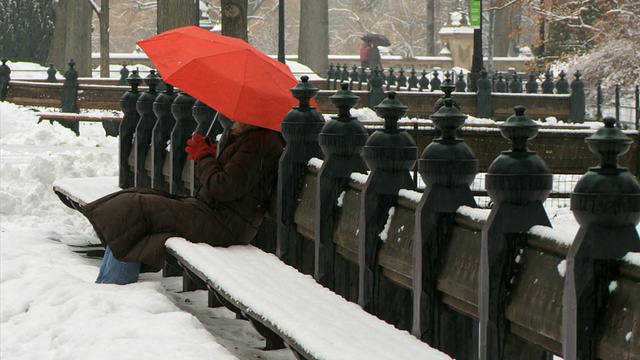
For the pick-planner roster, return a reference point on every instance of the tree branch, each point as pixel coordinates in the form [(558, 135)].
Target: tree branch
[(95, 7)]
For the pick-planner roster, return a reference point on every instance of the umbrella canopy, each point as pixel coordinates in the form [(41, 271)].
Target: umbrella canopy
[(376, 39), (225, 73)]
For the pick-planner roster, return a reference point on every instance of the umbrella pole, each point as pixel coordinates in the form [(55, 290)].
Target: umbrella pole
[(211, 126)]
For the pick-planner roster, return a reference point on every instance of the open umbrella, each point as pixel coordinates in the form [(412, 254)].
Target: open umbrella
[(376, 39), (225, 73)]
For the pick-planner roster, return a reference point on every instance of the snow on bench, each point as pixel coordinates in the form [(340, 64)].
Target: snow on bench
[(315, 322), (77, 116), (80, 191)]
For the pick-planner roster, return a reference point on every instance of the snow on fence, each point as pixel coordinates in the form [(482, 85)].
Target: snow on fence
[(433, 263), (347, 212)]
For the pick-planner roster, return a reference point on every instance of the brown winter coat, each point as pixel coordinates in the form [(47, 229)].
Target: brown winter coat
[(227, 210)]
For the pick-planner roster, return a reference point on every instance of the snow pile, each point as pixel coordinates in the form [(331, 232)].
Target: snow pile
[(27, 177), (51, 308)]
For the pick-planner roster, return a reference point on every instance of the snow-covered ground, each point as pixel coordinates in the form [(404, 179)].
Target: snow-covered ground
[(49, 306)]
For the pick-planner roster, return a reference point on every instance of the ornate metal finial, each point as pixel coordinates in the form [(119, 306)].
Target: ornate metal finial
[(51, 73), (578, 74), (134, 80), (344, 99), (519, 129), (460, 85), (435, 81), (304, 91), (448, 119), (447, 87), (152, 80), (391, 110), (609, 143)]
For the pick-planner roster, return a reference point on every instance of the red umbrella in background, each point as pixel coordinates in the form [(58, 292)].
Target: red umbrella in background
[(225, 73)]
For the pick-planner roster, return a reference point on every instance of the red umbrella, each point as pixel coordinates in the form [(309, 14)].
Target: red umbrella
[(225, 73)]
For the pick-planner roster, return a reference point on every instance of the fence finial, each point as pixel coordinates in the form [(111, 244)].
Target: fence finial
[(606, 204)]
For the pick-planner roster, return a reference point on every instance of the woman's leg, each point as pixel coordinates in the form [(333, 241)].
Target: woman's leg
[(114, 271)]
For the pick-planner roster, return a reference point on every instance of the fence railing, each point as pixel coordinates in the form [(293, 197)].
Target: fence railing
[(415, 259), (623, 104)]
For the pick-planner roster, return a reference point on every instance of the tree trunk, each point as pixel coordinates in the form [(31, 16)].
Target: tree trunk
[(104, 38), (431, 28), (72, 36), (234, 18), (173, 14), (507, 20), (56, 48), (313, 43)]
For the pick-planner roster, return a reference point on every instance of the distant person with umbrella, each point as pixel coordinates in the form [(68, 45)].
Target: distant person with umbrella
[(369, 52)]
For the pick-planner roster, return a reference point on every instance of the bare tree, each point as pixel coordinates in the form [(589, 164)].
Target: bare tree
[(72, 35), (234, 18), (313, 43), (102, 12), (177, 13)]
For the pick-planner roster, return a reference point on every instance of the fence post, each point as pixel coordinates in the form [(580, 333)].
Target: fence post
[(182, 110), (562, 85), (124, 73), (547, 85), (5, 77), (516, 85), (401, 80), (128, 128), (448, 167), (391, 78), (599, 102), (353, 76), (532, 85), (606, 204), (413, 80), (518, 182), (345, 73), (342, 140), (336, 76), (70, 97), (362, 77), (424, 81), (435, 81), (329, 76), (390, 154), (500, 86), (578, 102), (461, 85), (618, 106), (160, 135), (300, 129), (51, 75), (142, 139), (376, 93), (484, 106), (638, 107)]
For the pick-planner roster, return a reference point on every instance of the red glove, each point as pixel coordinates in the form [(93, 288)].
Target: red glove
[(199, 147)]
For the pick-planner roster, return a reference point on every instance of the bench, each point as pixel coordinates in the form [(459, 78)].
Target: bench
[(110, 123), (284, 305), (314, 322)]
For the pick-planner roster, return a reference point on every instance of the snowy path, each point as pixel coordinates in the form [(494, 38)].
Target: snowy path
[(51, 309)]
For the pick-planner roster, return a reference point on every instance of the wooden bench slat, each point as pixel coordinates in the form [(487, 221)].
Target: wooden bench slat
[(85, 190), (310, 317), (77, 117)]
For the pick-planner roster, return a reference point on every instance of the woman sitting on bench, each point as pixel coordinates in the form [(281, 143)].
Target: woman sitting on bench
[(232, 198)]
